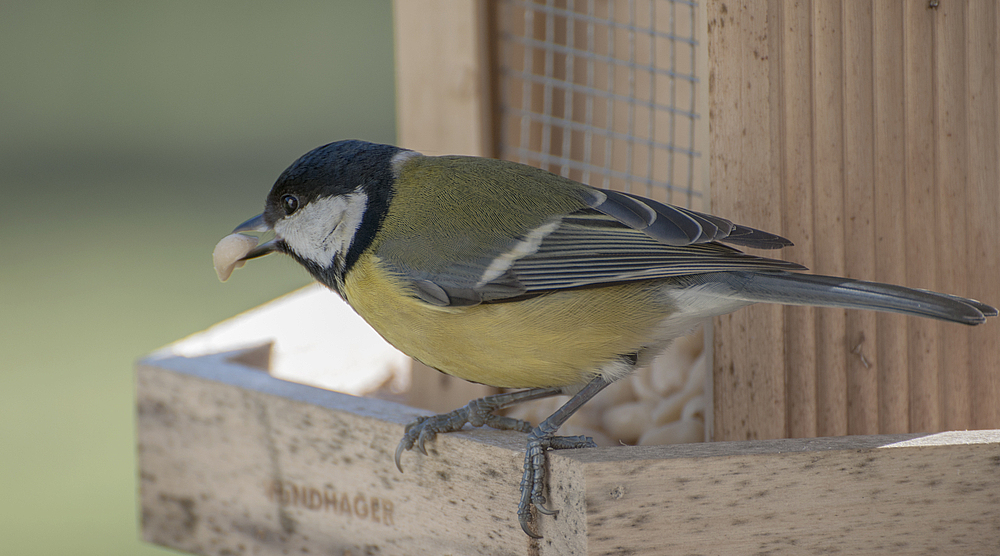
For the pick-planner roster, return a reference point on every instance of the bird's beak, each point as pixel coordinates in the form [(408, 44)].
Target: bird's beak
[(257, 224)]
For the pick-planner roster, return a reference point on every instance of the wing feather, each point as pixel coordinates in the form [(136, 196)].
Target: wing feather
[(680, 226), (588, 250)]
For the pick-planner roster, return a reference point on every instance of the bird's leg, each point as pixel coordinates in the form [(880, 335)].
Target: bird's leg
[(543, 438), (477, 413)]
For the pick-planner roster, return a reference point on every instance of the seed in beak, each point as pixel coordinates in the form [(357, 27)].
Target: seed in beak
[(229, 252)]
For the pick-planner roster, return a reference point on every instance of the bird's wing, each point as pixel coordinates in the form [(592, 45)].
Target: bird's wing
[(591, 248), (615, 238), (679, 226)]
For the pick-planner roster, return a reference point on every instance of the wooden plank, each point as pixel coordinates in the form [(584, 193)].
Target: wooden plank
[(828, 179), (891, 353), (950, 178), (797, 211), (903, 134), (859, 229), (443, 81), (923, 337), (748, 368), (232, 460), (898, 495), (983, 188)]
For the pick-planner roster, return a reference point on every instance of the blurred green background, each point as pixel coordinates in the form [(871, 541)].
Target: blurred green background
[(133, 136)]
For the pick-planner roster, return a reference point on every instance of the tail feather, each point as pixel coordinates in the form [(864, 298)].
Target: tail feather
[(830, 291)]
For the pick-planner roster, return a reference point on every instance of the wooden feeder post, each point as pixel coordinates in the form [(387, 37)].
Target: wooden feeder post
[(868, 133)]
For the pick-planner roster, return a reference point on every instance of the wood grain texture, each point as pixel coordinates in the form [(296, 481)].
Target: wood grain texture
[(849, 495), (923, 335), (443, 81), (982, 39), (883, 161), (233, 461), (232, 458), (749, 392), (797, 210), (891, 352), (859, 208), (950, 178), (827, 141)]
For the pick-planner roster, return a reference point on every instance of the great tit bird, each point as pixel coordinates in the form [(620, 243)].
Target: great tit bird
[(510, 276)]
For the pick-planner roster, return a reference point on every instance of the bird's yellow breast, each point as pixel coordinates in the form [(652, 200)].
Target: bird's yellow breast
[(557, 339)]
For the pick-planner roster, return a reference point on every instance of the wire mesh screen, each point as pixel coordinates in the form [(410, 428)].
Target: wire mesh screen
[(603, 92)]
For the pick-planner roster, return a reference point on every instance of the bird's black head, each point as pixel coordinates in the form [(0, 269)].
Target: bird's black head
[(326, 208), (334, 169)]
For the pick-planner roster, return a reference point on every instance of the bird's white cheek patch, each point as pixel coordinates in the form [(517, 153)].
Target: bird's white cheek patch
[(323, 228)]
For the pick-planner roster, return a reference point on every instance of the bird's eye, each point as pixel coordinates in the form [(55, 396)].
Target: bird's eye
[(290, 203)]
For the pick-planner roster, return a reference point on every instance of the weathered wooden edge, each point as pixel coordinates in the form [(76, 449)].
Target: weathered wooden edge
[(889, 494), (230, 456), (232, 461), (231, 368)]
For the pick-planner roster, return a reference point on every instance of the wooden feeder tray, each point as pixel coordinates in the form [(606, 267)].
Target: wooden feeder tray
[(233, 460)]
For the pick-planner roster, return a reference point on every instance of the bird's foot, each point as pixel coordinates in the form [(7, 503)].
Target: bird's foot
[(533, 479), (477, 413), (540, 439)]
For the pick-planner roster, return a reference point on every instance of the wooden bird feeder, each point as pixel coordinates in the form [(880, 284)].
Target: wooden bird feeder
[(866, 132)]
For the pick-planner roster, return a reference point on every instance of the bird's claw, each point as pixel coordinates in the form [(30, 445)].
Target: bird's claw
[(533, 478), (424, 429), (477, 413)]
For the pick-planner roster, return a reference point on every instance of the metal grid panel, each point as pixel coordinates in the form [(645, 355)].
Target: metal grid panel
[(602, 92)]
